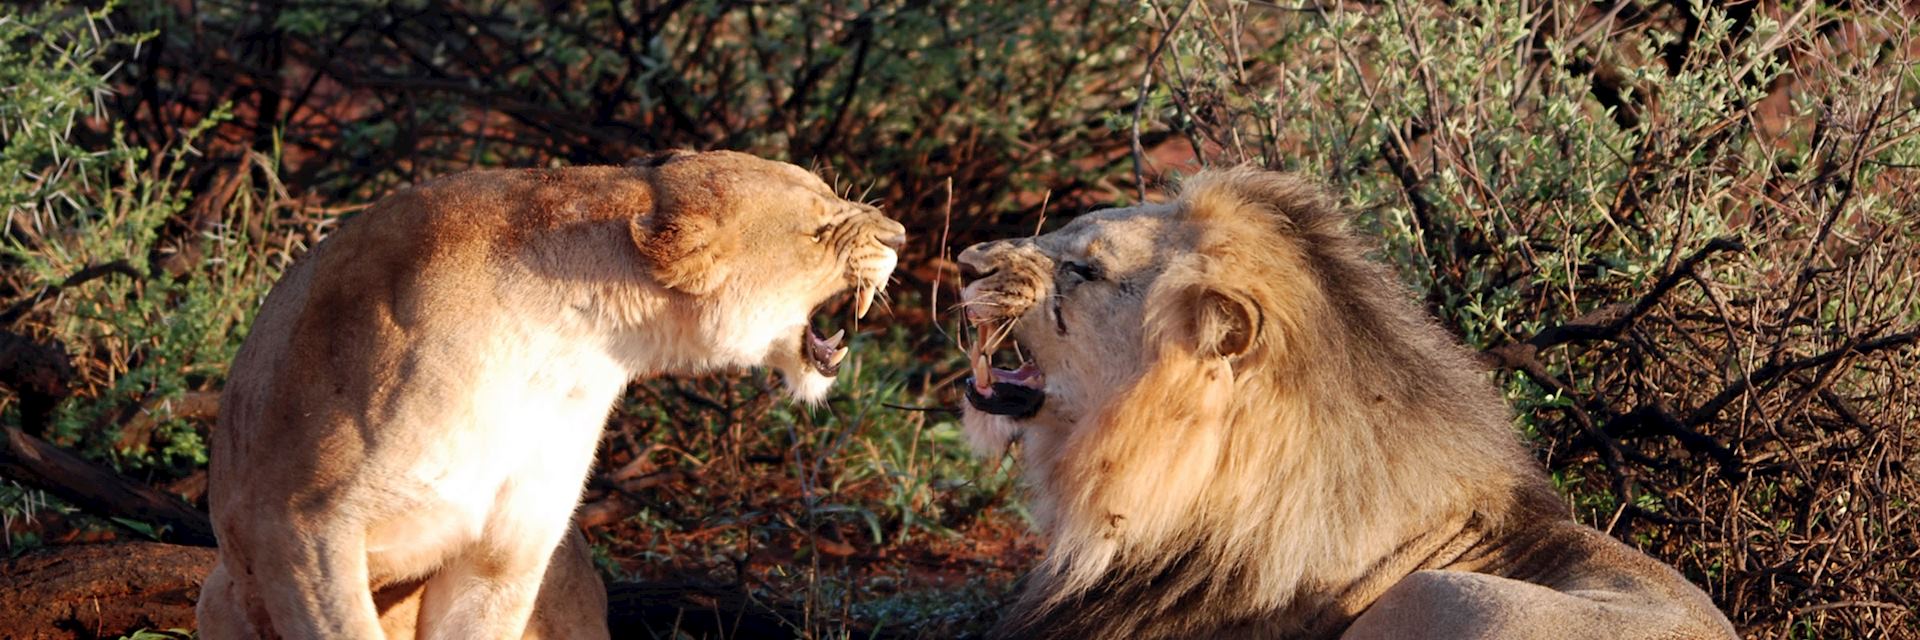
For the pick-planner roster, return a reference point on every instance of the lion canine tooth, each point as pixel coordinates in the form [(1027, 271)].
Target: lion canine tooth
[(982, 373), (835, 340), (839, 355), (863, 300)]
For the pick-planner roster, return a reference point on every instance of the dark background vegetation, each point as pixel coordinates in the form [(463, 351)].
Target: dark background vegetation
[(1684, 234)]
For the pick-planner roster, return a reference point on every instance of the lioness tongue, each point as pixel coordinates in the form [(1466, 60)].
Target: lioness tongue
[(826, 352)]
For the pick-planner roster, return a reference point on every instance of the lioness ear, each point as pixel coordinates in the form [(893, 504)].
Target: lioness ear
[(1224, 324), (680, 237), (659, 158)]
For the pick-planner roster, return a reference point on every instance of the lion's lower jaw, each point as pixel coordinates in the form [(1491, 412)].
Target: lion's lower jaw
[(988, 434)]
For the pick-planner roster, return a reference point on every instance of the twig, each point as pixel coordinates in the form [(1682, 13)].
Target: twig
[(1042, 223), (908, 407), (1657, 414), (1605, 323), (946, 227), (1767, 374), (1395, 155), (1608, 321), (79, 277), (1140, 99), (1850, 604), (862, 31), (100, 490)]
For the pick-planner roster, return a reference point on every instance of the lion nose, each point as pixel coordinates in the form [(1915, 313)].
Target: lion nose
[(972, 262), (895, 242)]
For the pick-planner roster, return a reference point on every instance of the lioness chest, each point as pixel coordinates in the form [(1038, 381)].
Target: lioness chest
[(502, 456)]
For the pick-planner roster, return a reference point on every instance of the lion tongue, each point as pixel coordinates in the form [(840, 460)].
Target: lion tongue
[(980, 358), (985, 375), (1028, 375)]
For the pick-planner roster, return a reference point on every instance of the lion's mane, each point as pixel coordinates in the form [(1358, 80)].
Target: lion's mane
[(1270, 480)]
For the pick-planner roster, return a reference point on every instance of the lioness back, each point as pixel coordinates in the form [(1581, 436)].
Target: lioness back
[(408, 426)]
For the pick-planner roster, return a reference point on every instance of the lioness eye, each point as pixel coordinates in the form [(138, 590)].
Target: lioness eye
[(821, 233), (1085, 272)]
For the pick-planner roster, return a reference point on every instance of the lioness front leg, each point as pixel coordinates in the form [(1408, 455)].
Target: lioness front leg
[(221, 612), (489, 590), (471, 601), (478, 596), (314, 590), (572, 604)]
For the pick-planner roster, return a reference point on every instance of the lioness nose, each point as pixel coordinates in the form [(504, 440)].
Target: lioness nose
[(891, 233)]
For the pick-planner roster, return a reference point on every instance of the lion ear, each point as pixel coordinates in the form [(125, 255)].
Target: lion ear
[(1189, 309), (680, 236), (1223, 324)]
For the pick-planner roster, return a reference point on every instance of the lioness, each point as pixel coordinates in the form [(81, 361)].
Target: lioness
[(1235, 425), (417, 406)]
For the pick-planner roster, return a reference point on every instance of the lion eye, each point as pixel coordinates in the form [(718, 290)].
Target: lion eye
[(821, 233), (1086, 272)]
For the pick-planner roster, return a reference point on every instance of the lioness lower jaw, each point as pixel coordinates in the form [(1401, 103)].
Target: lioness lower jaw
[(816, 360), (806, 386)]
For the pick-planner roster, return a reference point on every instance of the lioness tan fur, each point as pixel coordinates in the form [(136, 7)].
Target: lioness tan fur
[(1249, 430), (408, 426)]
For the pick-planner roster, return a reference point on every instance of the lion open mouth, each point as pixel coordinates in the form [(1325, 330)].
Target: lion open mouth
[(1016, 392), (826, 354)]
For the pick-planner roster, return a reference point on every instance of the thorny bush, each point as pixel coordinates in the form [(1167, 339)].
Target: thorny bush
[(1685, 234)]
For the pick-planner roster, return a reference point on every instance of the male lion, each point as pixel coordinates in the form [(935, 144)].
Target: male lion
[(1235, 425), (414, 413)]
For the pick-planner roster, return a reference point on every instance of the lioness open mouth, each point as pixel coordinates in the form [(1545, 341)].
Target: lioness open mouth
[(1018, 392), (826, 354)]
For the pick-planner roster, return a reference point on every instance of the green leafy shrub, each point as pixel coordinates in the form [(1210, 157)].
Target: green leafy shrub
[(143, 323)]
